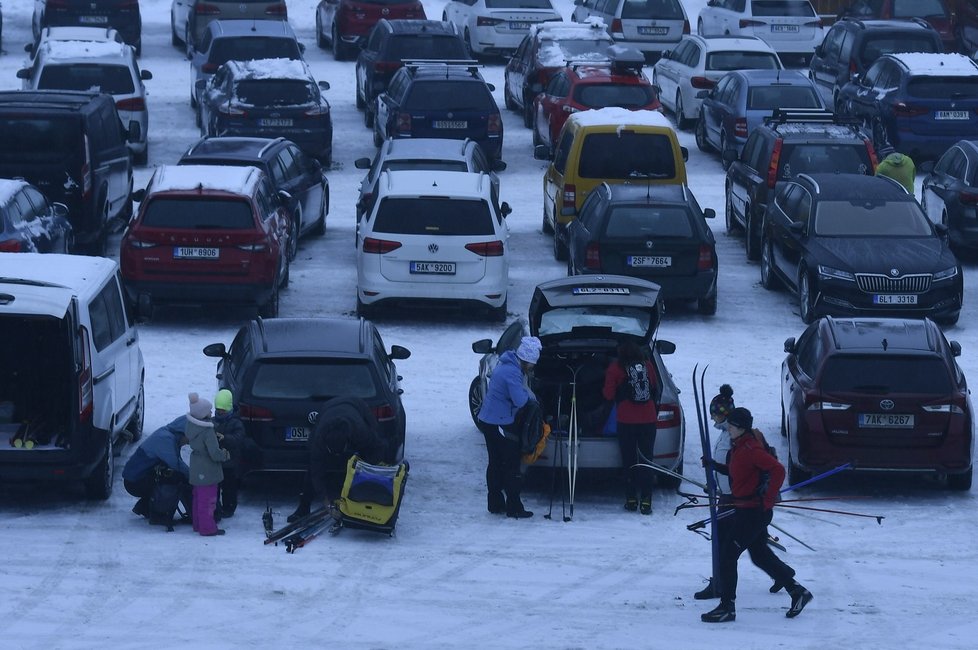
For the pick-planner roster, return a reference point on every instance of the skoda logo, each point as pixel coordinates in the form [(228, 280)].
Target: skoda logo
[(895, 272), (432, 248), (648, 244), (886, 404), (312, 417)]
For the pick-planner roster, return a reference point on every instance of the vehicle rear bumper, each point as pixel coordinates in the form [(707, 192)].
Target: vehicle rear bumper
[(175, 293)]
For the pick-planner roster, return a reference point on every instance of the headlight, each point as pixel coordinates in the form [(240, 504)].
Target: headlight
[(835, 274), (945, 274)]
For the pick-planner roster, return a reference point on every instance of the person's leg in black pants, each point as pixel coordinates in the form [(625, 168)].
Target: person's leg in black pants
[(627, 445), (142, 488), (510, 457), (643, 476), (495, 501)]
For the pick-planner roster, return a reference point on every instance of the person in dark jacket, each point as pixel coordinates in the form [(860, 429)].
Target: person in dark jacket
[(756, 477), (231, 434), (506, 394), (630, 382), (162, 447)]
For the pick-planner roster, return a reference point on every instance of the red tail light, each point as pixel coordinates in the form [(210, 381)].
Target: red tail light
[(86, 384), (668, 416), (744, 23), (404, 122), (686, 27), (387, 66), (486, 21), (486, 248), (316, 111), (209, 68), (204, 9), (278, 10), (570, 195), (379, 246), (740, 127), (772, 170), (255, 413), (495, 124), (592, 256), (384, 413), (873, 160), (968, 198), (134, 104), (416, 12), (902, 109), (10, 246), (702, 83), (616, 26), (56, 4), (230, 110), (129, 5), (705, 260)]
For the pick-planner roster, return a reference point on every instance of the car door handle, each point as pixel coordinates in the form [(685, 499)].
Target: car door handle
[(104, 375)]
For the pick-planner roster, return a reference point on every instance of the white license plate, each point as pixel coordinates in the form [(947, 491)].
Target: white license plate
[(895, 299), (274, 121), (951, 115), (653, 31), (653, 261), (195, 253), (296, 433), (450, 124), (93, 20), (784, 29), (437, 268), (519, 25), (885, 421)]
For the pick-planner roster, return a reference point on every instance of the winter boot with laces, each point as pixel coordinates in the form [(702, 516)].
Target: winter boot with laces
[(799, 598), (722, 613), (707, 593)]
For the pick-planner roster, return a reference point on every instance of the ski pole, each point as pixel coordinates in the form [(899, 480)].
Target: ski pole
[(669, 472), (784, 532), (879, 518), (818, 477)]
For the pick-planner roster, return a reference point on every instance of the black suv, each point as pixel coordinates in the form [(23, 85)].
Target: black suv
[(851, 46), (123, 15), (282, 370), (72, 146), (285, 164), (390, 43), (787, 144)]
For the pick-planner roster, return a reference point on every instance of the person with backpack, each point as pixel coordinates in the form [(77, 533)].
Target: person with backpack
[(160, 451), (630, 382), (206, 458), (230, 432), (756, 477)]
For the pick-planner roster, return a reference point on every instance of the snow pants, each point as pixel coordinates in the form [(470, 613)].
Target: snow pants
[(636, 442), (503, 473), (746, 530), (205, 500)]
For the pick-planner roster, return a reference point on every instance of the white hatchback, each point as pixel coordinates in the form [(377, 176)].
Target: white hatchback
[(434, 237), (790, 27), (497, 26)]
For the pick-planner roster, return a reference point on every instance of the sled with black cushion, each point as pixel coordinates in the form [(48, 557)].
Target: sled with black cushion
[(371, 496)]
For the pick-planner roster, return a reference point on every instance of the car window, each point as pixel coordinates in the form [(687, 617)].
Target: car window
[(433, 216), (727, 61), (782, 8), (624, 95), (870, 218), (823, 158), (808, 352), (768, 98), (425, 164), (22, 208), (510, 339), (238, 352), (111, 79), (277, 170), (882, 375), (627, 154), (249, 48), (108, 315), (875, 46), (40, 139), (918, 8), (649, 221), (592, 209), (721, 88), (946, 161), (449, 96), (419, 46), (959, 167), (804, 210), (563, 151), (612, 319), (944, 87), (198, 213), (691, 57), (658, 9), (832, 44), (276, 92), (516, 4), (312, 379), (38, 200), (750, 155), (873, 74), (380, 352)]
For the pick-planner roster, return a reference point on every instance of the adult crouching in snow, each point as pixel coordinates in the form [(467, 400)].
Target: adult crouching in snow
[(206, 457), (160, 449)]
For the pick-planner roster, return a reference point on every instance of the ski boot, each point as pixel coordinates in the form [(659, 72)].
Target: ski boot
[(646, 506), (722, 613), (799, 598), (707, 593)]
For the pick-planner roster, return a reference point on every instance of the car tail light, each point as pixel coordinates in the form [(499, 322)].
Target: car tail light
[(705, 260), (772, 169), (570, 194), (255, 413), (829, 406), (231, 110), (592, 256), (277, 10), (367, 199), (702, 83), (486, 248), (379, 246), (616, 27), (129, 5), (902, 109), (60, 5), (10, 246), (404, 122), (384, 413), (387, 66), (668, 416), (86, 170), (814, 23), (853, 69), (253, 248), (686, 27), (486, 21), (316, 111), (744, 23), (740, 127), (136, 243), (204, 9), (968, 198), (209, 68), (495, 124), (132, 104), (953, 409), (86, 383)]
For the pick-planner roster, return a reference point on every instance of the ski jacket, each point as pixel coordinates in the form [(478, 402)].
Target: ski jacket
[(755, 475), (507, 392), (232, 428), (346, 426), (162, 446), (900, 168), (627, 411), (206, 455), (721, 449)]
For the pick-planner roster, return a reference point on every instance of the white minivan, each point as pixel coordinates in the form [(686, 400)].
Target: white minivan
[(71, 384)]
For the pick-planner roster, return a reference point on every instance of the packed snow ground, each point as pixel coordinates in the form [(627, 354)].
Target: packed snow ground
[(82, 575)]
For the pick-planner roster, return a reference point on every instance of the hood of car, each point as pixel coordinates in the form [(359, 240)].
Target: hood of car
[(883, 255)]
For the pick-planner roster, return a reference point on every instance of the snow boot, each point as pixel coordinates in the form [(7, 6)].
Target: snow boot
[(631, 504), (519, 514), (799, 598), (722, 613), (646, 506), (707, 593)]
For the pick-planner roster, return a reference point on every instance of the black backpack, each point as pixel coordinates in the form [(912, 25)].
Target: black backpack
[(639, 387)]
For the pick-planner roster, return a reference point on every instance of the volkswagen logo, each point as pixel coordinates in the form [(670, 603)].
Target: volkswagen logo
[(648, 243), (451, 116), (432, 248), (887, 404), (243, 8), (312, 417), (895, 272)]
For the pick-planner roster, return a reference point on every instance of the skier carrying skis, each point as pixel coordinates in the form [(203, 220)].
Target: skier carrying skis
[(755, 480)]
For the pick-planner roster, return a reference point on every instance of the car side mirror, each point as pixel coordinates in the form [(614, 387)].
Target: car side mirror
[(59, 209), (498, 165), (541, 152), (710, 213), (399, 352), (138, 195), (667, 54), (491, 86), (145, 75), (362, 163), (482, 346), (955, 348), (856, 78), (926, 167), (302, 48), (216, 350), (665, 347), (789, 345), (29, 48), (284, 197), (729, 155), (685, 153), (24, 73), (324, 85), (505, 210)]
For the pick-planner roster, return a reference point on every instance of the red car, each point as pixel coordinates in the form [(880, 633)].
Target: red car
[(207, 234), (938, 13), (619, 82), (344, 25)]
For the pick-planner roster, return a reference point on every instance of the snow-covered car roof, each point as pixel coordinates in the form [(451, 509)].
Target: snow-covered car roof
[(8, 188), (442, 148), (202, 178), (593, 28), (619, 116), (734, 44), (73, 33), (83, 49), (44, 284), (937, 65), (271, 69), (411, 183)]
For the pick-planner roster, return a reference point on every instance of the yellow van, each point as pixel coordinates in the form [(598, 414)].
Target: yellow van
[(608, 145)]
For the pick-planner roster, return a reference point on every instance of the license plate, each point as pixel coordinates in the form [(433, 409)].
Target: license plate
[(275, 121), (951, 115), (653, 31), (659, 262), (519, 25), (885, 421), (784, 29), (93, 20), (895, 299), (296, 433), (450, 124), (437, 268), (195, 253)]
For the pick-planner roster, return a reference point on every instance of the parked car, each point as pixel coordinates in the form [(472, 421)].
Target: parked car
[(657, 233), (967, 27), (72, 147), (791, 27), (936, 12), (880, 393), (226, 243), (284, 163), (344, 25), (434, 154), (949, 193), (92, 59), (282, 370), (586, 86), (497, 26), (390, 44), (29, 223), (189, 18), (440, 100), (919, 104), (849, 244), (851, 46), (74, 406), (785, 145), (434, 237), (122, 15), (741, 100), (268, 98), (581, 321), (698, 62), (651, 27), (240, 40), (545, 50)]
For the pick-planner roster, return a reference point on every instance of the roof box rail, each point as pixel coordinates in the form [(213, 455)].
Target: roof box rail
[(787, 115)]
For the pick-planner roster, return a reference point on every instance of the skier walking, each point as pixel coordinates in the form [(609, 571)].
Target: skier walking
[(755, 480)]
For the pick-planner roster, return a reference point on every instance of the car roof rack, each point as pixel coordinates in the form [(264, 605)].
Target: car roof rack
[(793, 115), (448, 64)]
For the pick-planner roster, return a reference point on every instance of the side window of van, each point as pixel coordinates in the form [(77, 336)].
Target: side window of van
[(108, 315), (560, 160)]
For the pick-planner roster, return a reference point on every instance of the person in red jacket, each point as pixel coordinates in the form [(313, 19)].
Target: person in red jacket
[(630, 382), (756, 477)]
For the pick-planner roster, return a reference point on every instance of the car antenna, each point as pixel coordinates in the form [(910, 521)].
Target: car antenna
[(885, 344)]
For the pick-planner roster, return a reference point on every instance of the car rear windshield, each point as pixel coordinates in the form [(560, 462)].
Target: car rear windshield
[(623, 95), (602, 321), (782, 8), (249, 48), (309, 379), (918, 8), (111, 79), (627, 154), (943, 87), (870, 218), (817, 158), (876, 46), (661, 9), (199, 214), (426, 165), (878, 375), (433, 216), (425, 46), (40, 139), (276, 92), (556, 54), (449, 96), (648, 221), (767, 98), (725, 61), (518, 4)]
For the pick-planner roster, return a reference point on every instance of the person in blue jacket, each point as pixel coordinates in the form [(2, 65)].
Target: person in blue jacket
[(507, 393), (161, 447)]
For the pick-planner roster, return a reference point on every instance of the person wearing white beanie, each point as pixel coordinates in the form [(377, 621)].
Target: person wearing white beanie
[(205, 465)]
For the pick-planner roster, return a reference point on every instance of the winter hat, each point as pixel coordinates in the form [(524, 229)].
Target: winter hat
[(740, 418), (529, 350), (723, 403), (224, 401), (199, 408)]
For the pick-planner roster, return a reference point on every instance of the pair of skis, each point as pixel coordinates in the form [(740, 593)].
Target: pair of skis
[(300, 532), (703, 421)]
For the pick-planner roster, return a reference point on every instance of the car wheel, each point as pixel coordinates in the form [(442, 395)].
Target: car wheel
[(752, 238), (294, 239), (141, 157), (728, 214), (806, 298), (366, 311), (368, 117), (768, 281), (723, 147), (795, 473), (527, 112), (320, 37), (671, 482), (699, 28), (475, 404), (339, 52), (270, 308), (507, 98), (360, 101), (498, 314), (174, 39), (378, 138), (682, 122), (320, 228), (784, 423), (707, 305), (560, 249), (700, 132), (545, 226), (961, 481), (537, 140), (98, 486), (468, 45)]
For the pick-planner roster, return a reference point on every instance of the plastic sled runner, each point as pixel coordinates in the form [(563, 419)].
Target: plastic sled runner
[(371, 496)]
